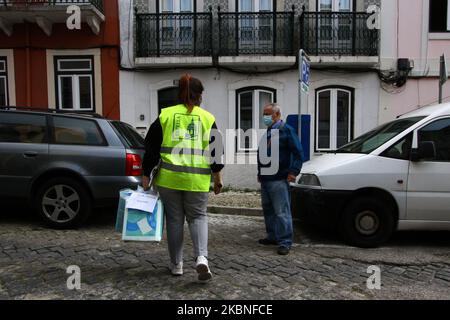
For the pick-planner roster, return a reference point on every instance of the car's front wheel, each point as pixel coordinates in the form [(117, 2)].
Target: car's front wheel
[(367, 222), (63, 203)]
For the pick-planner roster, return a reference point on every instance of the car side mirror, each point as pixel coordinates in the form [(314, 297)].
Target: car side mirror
[(426, 150)]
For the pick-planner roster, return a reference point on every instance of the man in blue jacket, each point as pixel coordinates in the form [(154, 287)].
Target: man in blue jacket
[(280, 159)]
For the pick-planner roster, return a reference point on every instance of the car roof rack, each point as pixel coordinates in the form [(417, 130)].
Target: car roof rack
[(53, 111)]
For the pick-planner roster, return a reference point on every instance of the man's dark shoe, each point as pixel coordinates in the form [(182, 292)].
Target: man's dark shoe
[(267, 242), (283, 251)]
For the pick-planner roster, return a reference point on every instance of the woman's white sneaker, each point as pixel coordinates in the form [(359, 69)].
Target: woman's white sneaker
[(176, 269), (201, 265)]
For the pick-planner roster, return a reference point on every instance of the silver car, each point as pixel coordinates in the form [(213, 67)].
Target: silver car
[(66, 164)]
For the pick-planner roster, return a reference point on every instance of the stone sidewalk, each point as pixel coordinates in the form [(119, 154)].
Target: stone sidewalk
[(33, 263)]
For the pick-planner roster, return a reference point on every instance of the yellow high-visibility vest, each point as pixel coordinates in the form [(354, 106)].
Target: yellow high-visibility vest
[(184, 151)]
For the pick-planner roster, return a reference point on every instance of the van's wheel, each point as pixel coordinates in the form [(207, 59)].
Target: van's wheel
[(367, 223), (63, 203)]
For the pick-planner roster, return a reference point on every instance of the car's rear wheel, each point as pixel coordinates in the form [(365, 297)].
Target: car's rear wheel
[(63, 203), (367, 222)]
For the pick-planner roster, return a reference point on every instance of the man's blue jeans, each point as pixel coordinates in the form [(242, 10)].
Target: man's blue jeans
[(276, 203)]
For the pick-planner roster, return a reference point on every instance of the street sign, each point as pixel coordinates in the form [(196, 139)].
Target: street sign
[(305, 72)]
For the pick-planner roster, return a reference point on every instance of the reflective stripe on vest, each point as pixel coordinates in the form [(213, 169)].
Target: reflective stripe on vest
[(184, 149), (184, 169)]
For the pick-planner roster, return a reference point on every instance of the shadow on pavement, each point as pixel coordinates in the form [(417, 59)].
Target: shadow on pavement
[(306, 233), (421, 238), (19, 213)]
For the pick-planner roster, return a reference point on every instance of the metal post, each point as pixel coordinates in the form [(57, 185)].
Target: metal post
[(157, 34), (443, 75), (236, 30), (219, 16), (274, 38), (317, 14), (138, 36), (211, 32), (302, 30), (195, 32), (292, 37), (300, 60), (353, 34)]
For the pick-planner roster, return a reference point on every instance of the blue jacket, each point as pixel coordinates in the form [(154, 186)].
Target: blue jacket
[(291, 155)]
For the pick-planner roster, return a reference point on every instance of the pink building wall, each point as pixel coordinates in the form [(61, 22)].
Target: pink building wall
[(414, 42)]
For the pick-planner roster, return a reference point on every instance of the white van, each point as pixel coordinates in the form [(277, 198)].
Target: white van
[(395, 177)]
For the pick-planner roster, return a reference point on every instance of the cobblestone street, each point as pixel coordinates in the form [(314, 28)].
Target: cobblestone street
[(33, 263)]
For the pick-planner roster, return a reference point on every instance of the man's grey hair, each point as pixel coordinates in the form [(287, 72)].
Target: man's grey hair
[(275, 107)]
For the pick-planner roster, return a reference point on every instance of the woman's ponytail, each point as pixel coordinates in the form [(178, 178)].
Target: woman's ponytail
[(190, 91)]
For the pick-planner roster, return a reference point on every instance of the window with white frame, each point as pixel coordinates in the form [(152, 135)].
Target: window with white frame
[(333, 127), (174, 6), (334, 30), (176, 31), (3, 82), (249, 116), (75, 83), (439, 16), (335, 5), (255, 29), (255, 5)]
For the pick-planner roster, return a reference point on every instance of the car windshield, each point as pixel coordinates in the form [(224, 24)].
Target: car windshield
[(372, 140), (129, 134)]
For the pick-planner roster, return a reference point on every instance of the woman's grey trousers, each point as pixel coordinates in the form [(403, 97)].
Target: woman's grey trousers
[(179, 205)]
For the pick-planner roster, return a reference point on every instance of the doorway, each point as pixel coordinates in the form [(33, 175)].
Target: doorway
[(167, 97)]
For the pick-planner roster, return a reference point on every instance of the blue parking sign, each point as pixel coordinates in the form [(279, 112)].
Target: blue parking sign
[(306, 71)]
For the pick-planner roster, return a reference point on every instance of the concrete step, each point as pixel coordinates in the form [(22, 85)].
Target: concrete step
[(251, 212)]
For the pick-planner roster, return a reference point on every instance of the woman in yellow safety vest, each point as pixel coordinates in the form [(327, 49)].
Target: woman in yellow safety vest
[(183, 140)]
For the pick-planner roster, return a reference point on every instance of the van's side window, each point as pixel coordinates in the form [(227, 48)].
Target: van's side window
[(439, 133), (22, 128), (401, 150)]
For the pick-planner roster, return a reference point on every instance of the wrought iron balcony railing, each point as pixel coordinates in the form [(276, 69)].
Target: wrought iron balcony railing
[(173, 34), (338, 33), (33, 3), (262, 33)]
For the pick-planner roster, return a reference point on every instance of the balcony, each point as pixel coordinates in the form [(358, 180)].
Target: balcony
[(257, 38), (339, 38), (47, 12), (174, 39)]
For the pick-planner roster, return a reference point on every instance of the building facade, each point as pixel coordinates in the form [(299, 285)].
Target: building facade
[(245, 52), (417, 30), (44, 64)]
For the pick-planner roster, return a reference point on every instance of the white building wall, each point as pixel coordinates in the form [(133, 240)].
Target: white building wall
[(366, 87), (139, 96)]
